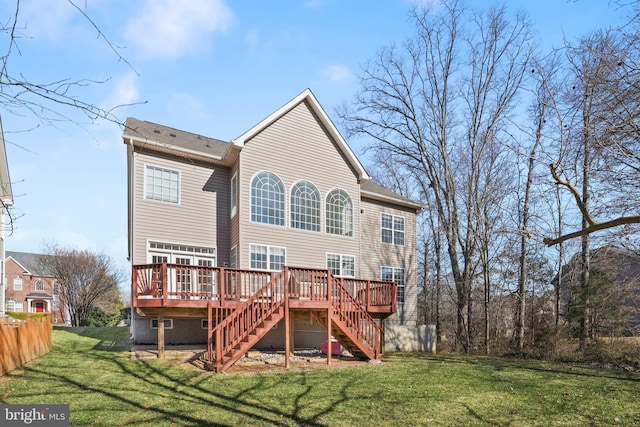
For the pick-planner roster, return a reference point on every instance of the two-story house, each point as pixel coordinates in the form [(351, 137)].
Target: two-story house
[(31, 287), (284, 218)]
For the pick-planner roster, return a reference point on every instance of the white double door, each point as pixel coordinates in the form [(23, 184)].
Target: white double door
[(190, 273)]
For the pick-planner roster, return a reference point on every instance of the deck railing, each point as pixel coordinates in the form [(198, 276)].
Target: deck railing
[(170, 282)]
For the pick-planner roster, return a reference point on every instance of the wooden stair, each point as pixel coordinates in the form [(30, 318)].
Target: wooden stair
[(246, 325), (352, 326), (243, 328)]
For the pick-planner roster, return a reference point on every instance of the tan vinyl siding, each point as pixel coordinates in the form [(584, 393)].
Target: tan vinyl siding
[(377, 254), (297, 148), (191, 222)]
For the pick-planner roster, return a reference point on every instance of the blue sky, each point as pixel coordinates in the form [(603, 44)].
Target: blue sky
[(211, 67)]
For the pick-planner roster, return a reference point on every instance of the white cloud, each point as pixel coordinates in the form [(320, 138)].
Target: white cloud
[(124, 91), (50, 19), (172, 28), (337, 74)]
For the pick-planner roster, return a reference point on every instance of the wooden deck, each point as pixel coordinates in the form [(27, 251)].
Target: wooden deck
[(245, 304)]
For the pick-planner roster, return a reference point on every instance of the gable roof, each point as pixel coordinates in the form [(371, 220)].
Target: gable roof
[(374, 191), (313, 103), (30, 263), (169, 140)]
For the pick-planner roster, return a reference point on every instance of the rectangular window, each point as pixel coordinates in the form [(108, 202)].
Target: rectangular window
[(17, 283), (392, 229), (234, 194), (233, 257), (168, 323), (17, 307), (396, 275), (161, 184), (264, 257), (204, 323), (341, 265)]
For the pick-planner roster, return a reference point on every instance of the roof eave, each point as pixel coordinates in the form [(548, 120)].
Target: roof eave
[(393, 200), (145, 142)]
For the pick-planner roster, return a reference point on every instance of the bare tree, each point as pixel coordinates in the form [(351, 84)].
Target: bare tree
[(438, 104), (50, 101), (87, 279)]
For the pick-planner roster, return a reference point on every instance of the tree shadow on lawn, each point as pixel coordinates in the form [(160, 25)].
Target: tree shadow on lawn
[(155, 392), (499, 363)]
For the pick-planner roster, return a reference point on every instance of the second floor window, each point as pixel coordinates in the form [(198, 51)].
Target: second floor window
[(305, 206), (161, 184), (339, 213), (392, 227), (267, 199), (39, 285), (17, 283)]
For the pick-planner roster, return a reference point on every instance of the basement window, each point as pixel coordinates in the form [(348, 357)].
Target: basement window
[(168, 323)]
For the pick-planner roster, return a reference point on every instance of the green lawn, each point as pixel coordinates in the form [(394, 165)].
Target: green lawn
[(90, 370)]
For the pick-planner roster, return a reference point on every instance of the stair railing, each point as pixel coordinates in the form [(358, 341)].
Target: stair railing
[(245, 319)]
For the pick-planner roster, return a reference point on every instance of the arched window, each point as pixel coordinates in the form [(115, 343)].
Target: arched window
[(39, 285), (339, 213), (267, 199), (305, 206)]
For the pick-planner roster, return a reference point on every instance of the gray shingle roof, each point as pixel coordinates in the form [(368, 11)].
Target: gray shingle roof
[(378, 192), (31, 263), (169, 137)]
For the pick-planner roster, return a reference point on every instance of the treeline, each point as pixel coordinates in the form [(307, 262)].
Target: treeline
[(523, 158)]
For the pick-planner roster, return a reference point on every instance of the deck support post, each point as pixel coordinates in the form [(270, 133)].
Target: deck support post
[(329, 347), (288, 336), (161, 336), (210, 331)]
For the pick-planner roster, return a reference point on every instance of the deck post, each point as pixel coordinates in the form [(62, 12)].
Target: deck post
[(329, 346), (134, 286), (160, 336), (165, 285), (287, 322), (383, 322), (210, 331)]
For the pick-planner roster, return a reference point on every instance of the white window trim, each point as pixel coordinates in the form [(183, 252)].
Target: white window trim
[(326, 258), (393, 230), (19, 279), (353, 217), (165, 323), (393, 274), (234, 197), (269, 248), (144, 183), (182, 250), (233, 249), (285, 203), (321, 200)]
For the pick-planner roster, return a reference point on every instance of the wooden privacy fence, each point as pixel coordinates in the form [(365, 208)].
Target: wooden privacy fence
[(23, 341)]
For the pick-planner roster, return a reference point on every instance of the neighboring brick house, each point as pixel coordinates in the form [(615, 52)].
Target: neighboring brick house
[(31, 287), (209, 217)]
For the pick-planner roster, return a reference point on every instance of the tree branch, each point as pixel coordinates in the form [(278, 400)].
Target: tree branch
[(593, 228), (576, 194)]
